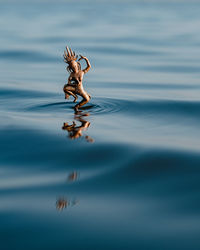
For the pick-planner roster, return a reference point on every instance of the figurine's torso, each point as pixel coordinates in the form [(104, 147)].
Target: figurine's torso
[(76, 78)]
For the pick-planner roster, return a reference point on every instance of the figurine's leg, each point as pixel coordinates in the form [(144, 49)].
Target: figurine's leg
[(71, 93), (86, 98), (69, 90)]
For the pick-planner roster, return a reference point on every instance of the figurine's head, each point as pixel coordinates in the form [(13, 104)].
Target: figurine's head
[(74, 66), (70, 58)]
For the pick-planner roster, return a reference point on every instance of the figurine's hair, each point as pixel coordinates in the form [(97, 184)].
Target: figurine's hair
[(69, 55), (69, 69)]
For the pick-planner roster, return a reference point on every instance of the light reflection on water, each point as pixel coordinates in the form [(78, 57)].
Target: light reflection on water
[(123, 172)]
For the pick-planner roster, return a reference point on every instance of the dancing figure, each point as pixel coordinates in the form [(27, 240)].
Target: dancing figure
[(74, 86)]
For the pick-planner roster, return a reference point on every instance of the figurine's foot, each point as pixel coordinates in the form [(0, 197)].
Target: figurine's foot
[(76, 107), (76, 110)]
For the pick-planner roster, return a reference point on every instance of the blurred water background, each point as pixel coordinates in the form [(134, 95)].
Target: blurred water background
[(127, 174)]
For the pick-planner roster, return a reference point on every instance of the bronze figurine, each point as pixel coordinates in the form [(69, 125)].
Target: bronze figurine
[(74, 86)]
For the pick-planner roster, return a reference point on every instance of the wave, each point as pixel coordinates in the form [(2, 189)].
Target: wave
[(114, 163), (27, 56), (106, 106), (173, 69), (23, 93), (123, 51)]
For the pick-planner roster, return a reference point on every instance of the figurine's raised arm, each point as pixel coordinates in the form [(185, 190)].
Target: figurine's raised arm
[(88, 64)]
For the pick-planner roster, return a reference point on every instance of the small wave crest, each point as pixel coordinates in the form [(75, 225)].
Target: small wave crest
[(103, 106)]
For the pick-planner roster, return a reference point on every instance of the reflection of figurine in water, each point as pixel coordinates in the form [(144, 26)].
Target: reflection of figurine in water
[(73, 176), (74, 86), (75, 131), (63, 203)]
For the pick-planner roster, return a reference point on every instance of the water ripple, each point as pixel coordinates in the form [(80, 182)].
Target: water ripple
[(99, 106)]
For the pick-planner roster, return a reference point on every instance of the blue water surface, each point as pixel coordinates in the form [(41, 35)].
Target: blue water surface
[(126, 174)]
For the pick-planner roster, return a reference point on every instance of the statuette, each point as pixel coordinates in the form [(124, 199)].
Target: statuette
[(74, 87)]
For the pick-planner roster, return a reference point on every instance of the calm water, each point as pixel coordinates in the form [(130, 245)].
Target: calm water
[(126, 174)]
